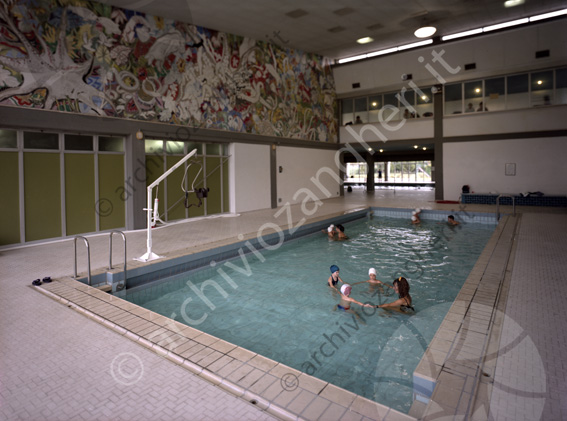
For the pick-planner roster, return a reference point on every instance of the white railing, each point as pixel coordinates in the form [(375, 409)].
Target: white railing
[(149, 255)]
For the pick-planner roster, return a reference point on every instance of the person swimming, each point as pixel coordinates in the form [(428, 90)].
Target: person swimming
[(331, 230), (404, 302), (334, 278), (344, 304), (341, 233)]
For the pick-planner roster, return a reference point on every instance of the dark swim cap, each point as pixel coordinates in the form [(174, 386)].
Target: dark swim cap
[(334, 268)]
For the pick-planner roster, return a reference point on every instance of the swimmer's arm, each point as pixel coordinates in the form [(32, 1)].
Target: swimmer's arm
[(341, 280), (396, 303), (361, 282), (352, 300)]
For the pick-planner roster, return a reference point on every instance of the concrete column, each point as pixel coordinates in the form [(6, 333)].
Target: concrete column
[(370, 173)]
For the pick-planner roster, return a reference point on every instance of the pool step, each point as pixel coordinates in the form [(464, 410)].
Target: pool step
[(105, 288)]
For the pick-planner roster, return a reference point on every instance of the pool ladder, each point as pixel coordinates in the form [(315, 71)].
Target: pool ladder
[(498, 205), (89, 254)]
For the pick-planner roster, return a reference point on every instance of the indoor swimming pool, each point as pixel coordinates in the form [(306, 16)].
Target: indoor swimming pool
[(276, 302)]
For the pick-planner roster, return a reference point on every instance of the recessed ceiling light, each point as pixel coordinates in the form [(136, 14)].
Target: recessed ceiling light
[(424, 148), (381, 150), (539, 82), (512, 3), (477, 90), (374, 104), (415, 146), (365, 40), (425, 31), (369, 149)]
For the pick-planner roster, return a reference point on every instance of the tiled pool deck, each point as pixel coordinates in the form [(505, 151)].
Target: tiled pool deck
[(57, 364)]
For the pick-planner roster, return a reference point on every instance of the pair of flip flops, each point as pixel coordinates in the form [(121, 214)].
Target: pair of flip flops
[(38, 282)]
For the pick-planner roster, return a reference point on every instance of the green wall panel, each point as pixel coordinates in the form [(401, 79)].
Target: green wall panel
[(80, 210), (214, 184), (42, 195), (174, 192), (9, 204), (112, 194)]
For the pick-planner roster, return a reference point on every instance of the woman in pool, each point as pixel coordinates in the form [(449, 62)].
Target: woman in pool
[(403, 303), (334, 278)]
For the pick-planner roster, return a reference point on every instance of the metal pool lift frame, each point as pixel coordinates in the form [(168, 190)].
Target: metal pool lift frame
[(149, 254)]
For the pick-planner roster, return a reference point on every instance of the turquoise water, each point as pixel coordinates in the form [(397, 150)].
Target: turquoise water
[(276, 303)]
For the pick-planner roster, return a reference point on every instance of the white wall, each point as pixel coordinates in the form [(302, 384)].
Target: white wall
[(540, 166), (494, 54), (249, 177), (299, 165), (513, 121)]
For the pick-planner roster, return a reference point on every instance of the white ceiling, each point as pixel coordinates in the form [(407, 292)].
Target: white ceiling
[(389, 22)]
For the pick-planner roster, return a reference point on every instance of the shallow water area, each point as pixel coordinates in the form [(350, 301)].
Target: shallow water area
[(276, 303)]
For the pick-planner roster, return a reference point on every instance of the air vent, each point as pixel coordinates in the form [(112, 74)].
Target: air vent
[(542, 54), (344, 11), (356, 85), (470, 66), (297, 13), (336, 29)]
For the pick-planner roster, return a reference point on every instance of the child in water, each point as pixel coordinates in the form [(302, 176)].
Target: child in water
[(334, 278)]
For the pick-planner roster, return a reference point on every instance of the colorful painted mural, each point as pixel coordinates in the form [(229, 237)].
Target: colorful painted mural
[(83, 57)]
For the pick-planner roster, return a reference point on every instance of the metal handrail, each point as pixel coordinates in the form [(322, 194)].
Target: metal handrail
[(88, 257), (110, 248), (498, 205)]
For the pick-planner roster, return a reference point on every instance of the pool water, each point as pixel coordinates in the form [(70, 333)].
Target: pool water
[(276, 303)]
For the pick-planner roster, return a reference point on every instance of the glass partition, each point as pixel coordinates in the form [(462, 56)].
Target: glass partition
[(474, 97), (517, 92), (347, 111), (541, 88), (495, 94), (361, 110), (453, 98)]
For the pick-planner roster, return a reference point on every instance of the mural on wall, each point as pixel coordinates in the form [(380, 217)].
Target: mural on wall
[(82, 57)]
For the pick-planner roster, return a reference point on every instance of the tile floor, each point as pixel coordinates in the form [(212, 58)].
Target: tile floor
[(57, 364)]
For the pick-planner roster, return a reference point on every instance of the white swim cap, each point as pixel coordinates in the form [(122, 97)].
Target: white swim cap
[(417, 210), (372, 271), (345, 289), (414, 213), (330, 229), (414, 218)]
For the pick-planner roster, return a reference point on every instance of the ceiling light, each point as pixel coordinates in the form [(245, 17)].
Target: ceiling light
[(424, 98), (415, 44), (365, 40), (477, 90), (374, 104), (512, 3), (462, 34), (381, 150), (369, 149), (505, 24), (415, 146), (424, 148), (549, 15), (539, 82), (425, 31)]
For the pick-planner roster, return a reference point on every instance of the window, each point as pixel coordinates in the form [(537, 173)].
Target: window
[(74, 142), (495, 94), (361, 110), (347, 109), (541, 88), (517, 95), (36, 140), (474, 97), (561, 86), (453, 99), (8, 139), (110, 144)]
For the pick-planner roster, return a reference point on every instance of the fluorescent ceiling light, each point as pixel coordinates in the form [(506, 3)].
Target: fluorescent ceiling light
[(462, 34), (346, 60), (425, 31), (365, 40), (415, 44), (549, 15), (380, 52), (505, 24), (512, 3)]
